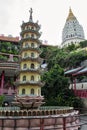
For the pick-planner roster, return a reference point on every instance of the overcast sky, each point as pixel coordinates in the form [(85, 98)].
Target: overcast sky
[(51, 14)]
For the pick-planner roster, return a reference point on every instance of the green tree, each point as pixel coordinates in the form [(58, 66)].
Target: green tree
[(1, 99), (56, 89)]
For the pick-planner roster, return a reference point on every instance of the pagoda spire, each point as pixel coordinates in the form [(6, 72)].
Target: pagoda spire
[(71, 15), (31, 19)]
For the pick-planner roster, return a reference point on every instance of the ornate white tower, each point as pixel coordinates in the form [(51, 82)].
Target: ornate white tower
[(72, 31)]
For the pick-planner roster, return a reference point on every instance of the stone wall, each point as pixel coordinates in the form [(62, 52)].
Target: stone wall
[(44, 122)]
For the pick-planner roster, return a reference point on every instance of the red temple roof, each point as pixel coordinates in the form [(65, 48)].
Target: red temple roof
[(9, 38)]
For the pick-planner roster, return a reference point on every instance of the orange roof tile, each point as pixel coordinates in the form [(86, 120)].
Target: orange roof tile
[(10, 39)]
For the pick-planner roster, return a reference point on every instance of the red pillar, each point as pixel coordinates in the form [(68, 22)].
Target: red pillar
[(41, 124), (64, 123), (2, 82)]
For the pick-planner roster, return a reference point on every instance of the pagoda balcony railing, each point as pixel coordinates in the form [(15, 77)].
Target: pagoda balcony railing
[(31, 24), (30, 31), (36, 39), (29, 82), (30, 38), (31, 48), (31, 70), (38, 59)]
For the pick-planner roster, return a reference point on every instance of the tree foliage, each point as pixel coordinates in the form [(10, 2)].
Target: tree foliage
[(56, 89)]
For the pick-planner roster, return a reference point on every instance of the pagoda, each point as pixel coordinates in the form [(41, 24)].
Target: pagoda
[(29, 84), (73, 32)]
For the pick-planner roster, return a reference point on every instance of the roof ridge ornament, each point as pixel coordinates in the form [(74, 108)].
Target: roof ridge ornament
[(31, 19)]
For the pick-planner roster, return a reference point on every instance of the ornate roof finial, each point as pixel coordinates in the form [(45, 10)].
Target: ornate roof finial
[(71, 15), (31, 11)]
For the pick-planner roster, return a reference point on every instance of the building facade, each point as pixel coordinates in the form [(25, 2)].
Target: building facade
[(72, 32), (9, 48)]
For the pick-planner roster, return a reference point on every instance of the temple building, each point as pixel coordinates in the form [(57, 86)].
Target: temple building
[(9, 65), (72, 32), (78, 80), (29, 84)]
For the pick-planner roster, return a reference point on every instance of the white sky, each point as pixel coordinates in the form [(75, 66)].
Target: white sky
[(51, 14)]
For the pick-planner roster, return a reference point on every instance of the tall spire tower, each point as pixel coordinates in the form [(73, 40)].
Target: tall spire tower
[(72, 31), (29, 85)]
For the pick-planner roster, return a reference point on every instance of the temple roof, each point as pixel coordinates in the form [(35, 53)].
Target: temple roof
[(9, 39), (73, 70), (82, 71), (70, 15)]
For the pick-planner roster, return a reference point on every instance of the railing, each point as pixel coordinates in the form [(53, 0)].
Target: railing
[(80, 89), (79, 86), (81, 93), (9, 108), (55, 107)]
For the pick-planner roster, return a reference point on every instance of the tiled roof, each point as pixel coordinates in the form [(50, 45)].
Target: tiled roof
[(84, 70), (10, 39), (73, 70)]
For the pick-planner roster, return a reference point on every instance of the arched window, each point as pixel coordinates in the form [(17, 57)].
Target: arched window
[(24, 78), (32, 66), (24, 66), (26, 44), (23, 91), (27, 35), (32, 54), (32, 91), (32, 45), (32, 28), (32, 35), (32, 78), (25, 54)]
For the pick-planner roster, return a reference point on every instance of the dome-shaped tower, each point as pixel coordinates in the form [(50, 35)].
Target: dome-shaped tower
[(29, 85), (72, 31)]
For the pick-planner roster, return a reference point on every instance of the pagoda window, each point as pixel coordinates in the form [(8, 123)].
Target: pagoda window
[(32, 54), (32, 35), (26, 27), (32, 28), (27, 35), (23, 91), (24, 78), (71, 35), (32, 78), (25, 54), (32, 91), (26, 44), (32, 66), (24, 66), (32, 45)]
